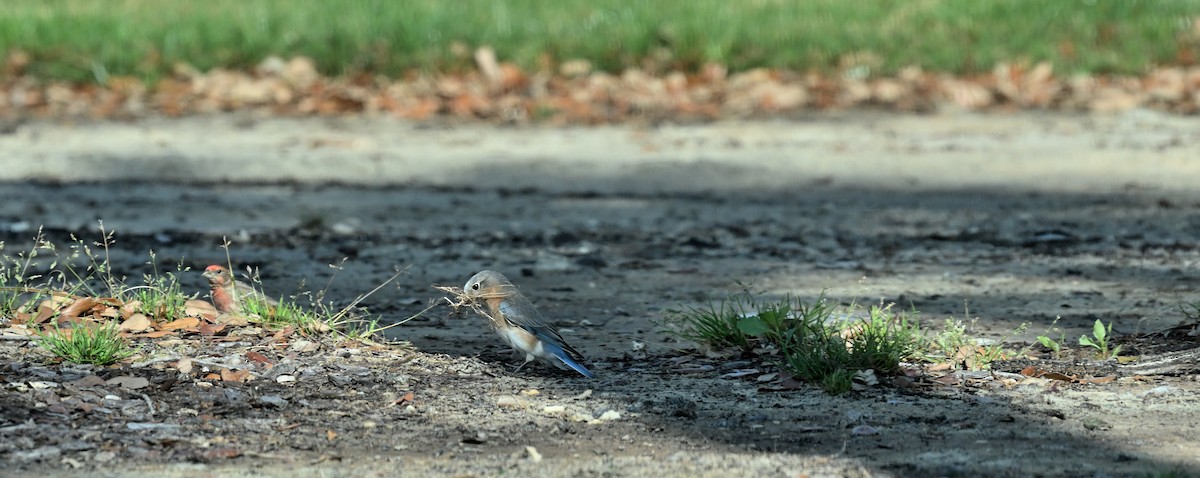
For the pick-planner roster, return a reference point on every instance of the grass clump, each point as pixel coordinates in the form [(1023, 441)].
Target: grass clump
[(145, 39), (817, 341), (96, 344)]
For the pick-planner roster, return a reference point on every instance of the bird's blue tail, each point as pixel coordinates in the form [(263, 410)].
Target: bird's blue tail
[(566, 359)]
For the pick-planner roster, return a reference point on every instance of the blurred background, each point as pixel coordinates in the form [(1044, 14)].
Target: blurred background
[(594, 61)]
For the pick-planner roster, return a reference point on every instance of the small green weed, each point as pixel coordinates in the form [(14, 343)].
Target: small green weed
[(162, 296), (955, 346), (20, 286), (1055, 346), (97, 345), (1100, 340)]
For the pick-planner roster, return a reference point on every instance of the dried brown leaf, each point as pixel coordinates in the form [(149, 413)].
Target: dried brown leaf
[(236, 376), (184, 323), (135, 323), (209, 330), (184, 365), (79, 307), (257, 357), (130, 308)]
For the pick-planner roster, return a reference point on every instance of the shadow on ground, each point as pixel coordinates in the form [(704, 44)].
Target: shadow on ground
[(605, 265)]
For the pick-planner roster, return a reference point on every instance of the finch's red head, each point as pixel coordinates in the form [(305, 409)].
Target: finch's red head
[(216, 274)]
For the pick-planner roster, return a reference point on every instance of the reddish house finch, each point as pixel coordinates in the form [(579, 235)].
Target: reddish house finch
[(229, 295)]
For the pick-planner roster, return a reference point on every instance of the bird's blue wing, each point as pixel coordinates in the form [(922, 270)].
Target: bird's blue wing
[(520, 312)]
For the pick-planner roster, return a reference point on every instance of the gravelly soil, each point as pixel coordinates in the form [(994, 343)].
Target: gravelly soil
[(604, 256)]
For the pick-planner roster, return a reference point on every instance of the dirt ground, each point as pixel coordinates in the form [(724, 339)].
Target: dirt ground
[(1009, 219)]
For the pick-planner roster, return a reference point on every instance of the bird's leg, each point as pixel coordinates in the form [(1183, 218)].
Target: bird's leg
[(528, 358)]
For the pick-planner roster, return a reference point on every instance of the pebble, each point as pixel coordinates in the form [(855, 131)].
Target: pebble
[(303, 346), (864, 430), (609, 416), (508, 401), (37, 454), (554, 409), (150, 426), (273, 400), (282, 379), (131, 383)]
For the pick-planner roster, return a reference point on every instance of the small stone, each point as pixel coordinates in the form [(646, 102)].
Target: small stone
[(303, 346), (37, 454), (285, 379), (864, 430), (273, 401), (508, 401), (150, 426), (551, 409), (104, 457), (42, 385), (609, 416), (131, 383), (533, 454)]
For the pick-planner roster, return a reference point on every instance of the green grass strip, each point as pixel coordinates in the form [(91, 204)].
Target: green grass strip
[(89, 40)]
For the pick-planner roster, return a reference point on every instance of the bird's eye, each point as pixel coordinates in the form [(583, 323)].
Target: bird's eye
[(475, 286)]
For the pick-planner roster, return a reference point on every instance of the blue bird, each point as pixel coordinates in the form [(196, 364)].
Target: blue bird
[(520, 324)]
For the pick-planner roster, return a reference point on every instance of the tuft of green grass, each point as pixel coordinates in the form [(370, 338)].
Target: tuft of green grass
[(819, 342), (831, 352), (145, 39), (97, 345), (716, 326)]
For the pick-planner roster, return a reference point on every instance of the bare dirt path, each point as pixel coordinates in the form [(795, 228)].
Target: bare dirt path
[(1008, 218)]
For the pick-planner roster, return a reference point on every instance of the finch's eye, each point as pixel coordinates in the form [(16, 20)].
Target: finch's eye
[(475, 286)]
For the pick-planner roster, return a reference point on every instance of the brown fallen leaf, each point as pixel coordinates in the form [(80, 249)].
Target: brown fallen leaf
[(44, 313), (78, 308), (330, 435), (1057, 376), (184, 365), (232, 320), (236, 376), (405, 400), (1098, 380), (184, 323), (199, 308), (222, 453), (949, 379), (153, 335), (130, 308), (209, 330), (212, 376), (135, 323), (257, 357)]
